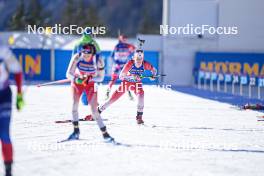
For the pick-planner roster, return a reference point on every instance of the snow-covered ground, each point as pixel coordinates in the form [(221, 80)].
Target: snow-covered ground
[(184, 135)]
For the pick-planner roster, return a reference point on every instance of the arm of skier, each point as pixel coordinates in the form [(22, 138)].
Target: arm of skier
[(99, 77), (13, 66), (124, 71), (70, 74), (153, 70)]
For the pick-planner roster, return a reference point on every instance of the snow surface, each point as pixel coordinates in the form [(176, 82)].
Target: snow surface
[(191, 136)]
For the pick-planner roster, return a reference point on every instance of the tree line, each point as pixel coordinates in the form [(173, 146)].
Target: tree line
[(130, 16)]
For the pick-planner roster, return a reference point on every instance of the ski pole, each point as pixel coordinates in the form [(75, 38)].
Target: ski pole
[(54, 82), (156, 76)]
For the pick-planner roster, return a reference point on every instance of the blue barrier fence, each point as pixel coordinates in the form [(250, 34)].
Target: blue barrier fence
[(236, 73), (238, 68), (46, 65)]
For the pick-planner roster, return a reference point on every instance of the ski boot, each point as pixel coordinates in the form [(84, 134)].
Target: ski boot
[(139, 118), (8, 168), (76, 133), (74, 136), (106, 135)]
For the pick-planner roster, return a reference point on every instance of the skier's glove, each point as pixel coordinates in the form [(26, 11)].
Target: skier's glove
[(82, 80), (19, 101), (79, 80), (133, 78)]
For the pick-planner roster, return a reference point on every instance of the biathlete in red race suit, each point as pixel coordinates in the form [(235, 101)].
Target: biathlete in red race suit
[(84, 70), (131, 80)]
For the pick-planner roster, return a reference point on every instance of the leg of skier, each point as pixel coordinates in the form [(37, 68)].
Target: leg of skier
[(7, 149), (85, 102), (5, 116), (116, 95), (140, 102), (114, 77), (76, 93), (92, 98), (130, 95)]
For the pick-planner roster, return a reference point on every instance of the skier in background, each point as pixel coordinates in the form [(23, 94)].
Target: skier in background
[(122, 52), (8, 64), (257, 106)]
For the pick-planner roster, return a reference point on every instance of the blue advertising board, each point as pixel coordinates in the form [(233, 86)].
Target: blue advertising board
[(62, 60), (243, 68), (35, 63)]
